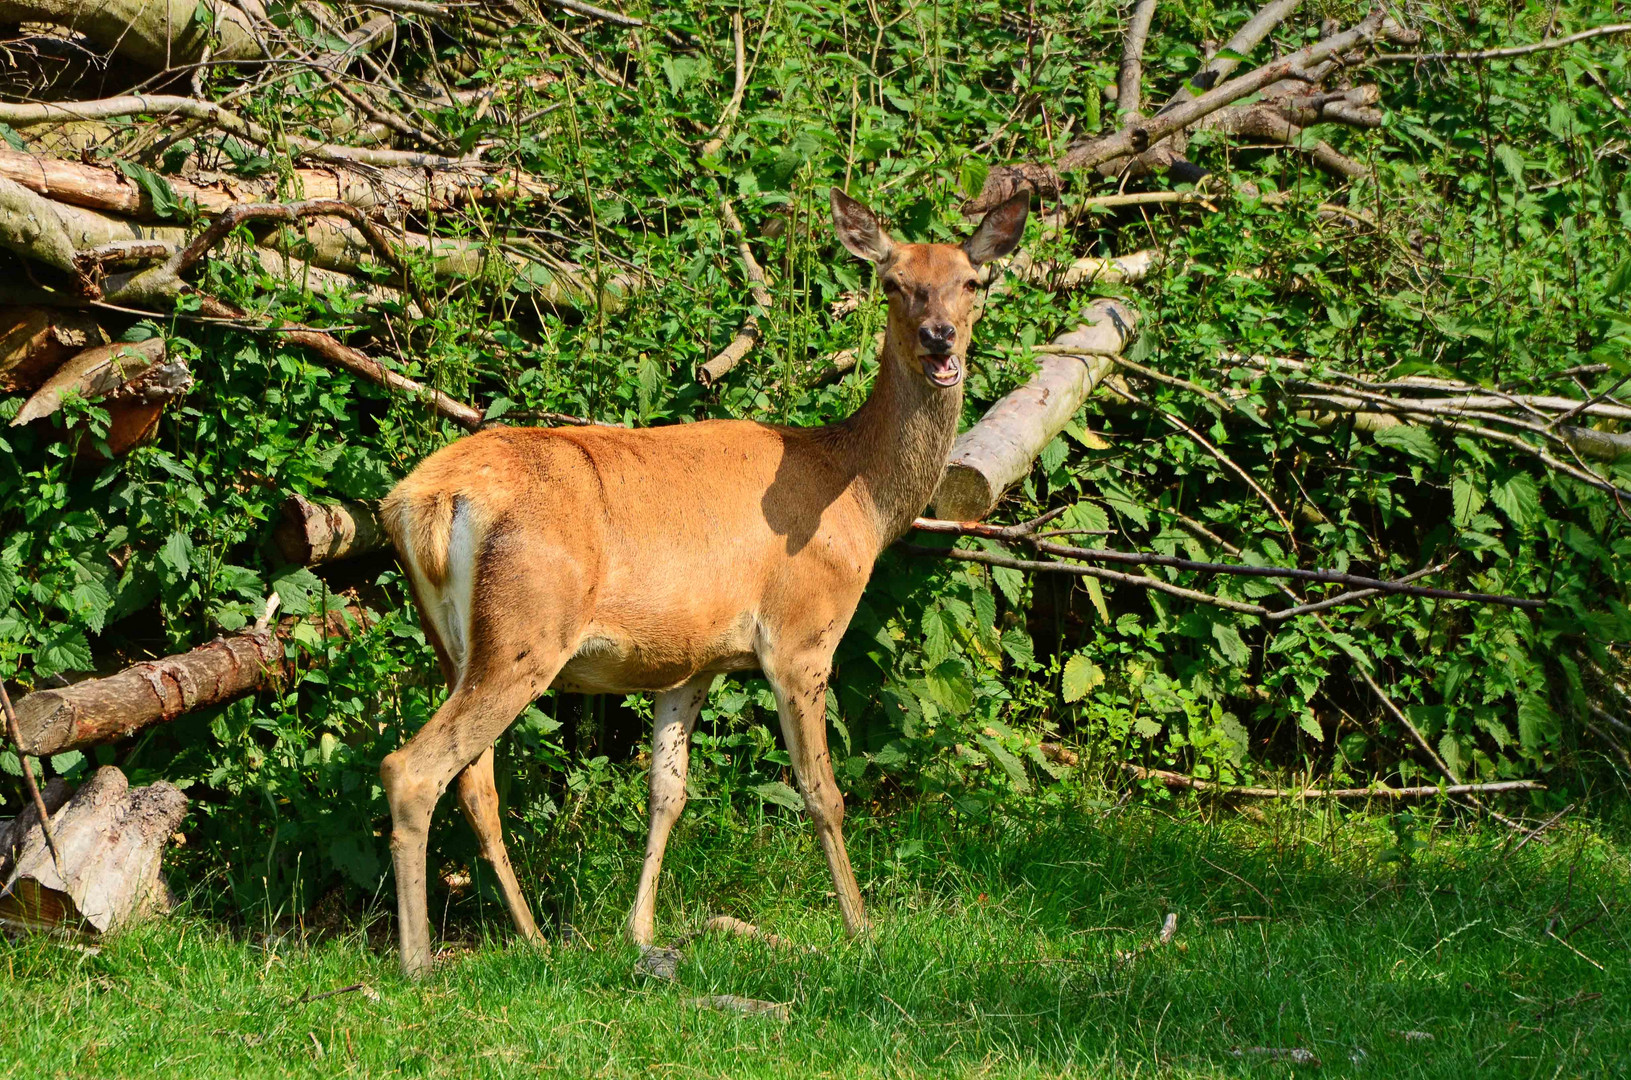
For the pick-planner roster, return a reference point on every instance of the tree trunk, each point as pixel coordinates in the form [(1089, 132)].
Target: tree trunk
[(312, 533), (12, 832), (998, 451), (111, 840), (34, 342), (155, 33), (101, 710)]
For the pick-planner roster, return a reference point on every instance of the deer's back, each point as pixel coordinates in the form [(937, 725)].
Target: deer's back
[(655, 553)]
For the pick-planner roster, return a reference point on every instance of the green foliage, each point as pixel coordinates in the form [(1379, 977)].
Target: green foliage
[(1497, 256)]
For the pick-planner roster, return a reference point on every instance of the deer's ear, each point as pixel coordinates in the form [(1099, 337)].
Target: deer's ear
[(858, 230), (1000, 231)]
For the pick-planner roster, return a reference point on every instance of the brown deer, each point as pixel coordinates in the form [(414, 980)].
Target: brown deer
[(607, 560)]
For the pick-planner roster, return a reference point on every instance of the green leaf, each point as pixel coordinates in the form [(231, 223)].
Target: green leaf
[(972, 176), (1511, 161), (1311, 726), (780, 794), (1012, 584), (177, 554), (1415, 441), (1006, 761), (937, 639), (1468, 499), (297, 589), (1095, 593), (1538, 725), (14, 140), (66, 650), (1081, 677), (1230, 644), (1017, 644), (65, 761), (1518, 498), (157, 189), (947, 685), (1618, 281)]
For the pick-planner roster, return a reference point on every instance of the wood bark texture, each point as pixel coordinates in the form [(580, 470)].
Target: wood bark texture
[(35, 341), (310, 533), (101, 710), (54, 794), (998, 451), (111, 838)]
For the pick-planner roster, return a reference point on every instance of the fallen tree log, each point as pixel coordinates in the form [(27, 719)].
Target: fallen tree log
[(157, 691), (111, 840), (35, 341), (54, 794), (386, 193), (156, 35), (309, 533), (998, 451), (135, 381)]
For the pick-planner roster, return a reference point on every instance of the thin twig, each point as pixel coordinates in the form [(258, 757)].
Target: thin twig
[(1425, 791), (1509, 51), (29, 781)]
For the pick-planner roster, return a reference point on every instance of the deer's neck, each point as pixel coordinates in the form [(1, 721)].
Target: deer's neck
[(898, 441)]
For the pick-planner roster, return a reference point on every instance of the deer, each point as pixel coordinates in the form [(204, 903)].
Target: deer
[(619, 560)]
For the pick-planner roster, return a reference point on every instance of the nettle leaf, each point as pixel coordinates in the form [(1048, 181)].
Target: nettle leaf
[(1511, 161), (298, 590), (1017, 644), (972, 175), (1081, 677), (1518, 498), (1230, 644), (1085, 515), (1311, 726), (1095, 593), (947, 685), (1054, 454), (177, 554), (155, 187), (1468, 499), (937, 637), (13, 140), (1537, 723), (1006, 761), (1415, 441), (67, 650), (780, 794)]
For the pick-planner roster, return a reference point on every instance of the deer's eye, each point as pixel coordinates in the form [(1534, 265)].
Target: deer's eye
[(970, 285)]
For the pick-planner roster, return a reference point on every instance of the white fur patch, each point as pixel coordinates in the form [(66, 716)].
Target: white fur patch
[(455, 600)]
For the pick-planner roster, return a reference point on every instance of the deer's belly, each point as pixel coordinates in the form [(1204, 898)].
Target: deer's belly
[(617, 660)]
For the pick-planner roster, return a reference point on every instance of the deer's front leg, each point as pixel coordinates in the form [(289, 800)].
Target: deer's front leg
[(800, 684), (675, 715)]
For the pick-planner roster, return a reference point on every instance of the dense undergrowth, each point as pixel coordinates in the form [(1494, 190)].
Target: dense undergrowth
[(1494, 252)]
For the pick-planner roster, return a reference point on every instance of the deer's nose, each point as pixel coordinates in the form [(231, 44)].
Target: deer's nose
[(937, 337)]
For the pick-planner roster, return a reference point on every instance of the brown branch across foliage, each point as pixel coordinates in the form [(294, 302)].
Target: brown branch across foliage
[(1069, 559)]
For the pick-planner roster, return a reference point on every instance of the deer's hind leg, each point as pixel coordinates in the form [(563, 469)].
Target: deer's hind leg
[(478, 798)]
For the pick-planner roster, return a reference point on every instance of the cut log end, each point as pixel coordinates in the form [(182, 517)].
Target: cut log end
[(110, 838)]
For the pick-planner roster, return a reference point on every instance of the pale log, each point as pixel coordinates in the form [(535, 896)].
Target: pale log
[(152, 692), (111, 839), (155, 33), (310, 532), (998, 451), (12, 832)]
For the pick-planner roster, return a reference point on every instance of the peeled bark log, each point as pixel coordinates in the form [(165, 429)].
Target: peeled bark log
[(34, 342), (134, 382), (12, 832), (388, 193), (998, 451), (156, 33), (111, 839), (101, 710), (311, 533)]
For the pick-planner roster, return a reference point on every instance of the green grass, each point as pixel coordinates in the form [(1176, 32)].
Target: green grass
[(995, 954)]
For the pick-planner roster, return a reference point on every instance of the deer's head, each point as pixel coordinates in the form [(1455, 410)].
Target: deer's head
[(931, 287)]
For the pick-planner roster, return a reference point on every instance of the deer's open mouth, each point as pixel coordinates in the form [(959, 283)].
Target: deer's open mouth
[(943, 369)]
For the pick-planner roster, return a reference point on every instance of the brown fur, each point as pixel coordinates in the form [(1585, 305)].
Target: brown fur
[(605, 560)]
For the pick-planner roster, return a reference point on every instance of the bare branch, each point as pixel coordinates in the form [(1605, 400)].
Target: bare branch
[(1190, 783), (1130, 81), (1510, 51)]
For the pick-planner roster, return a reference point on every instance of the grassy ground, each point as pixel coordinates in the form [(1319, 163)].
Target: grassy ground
[(1387, 951)]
